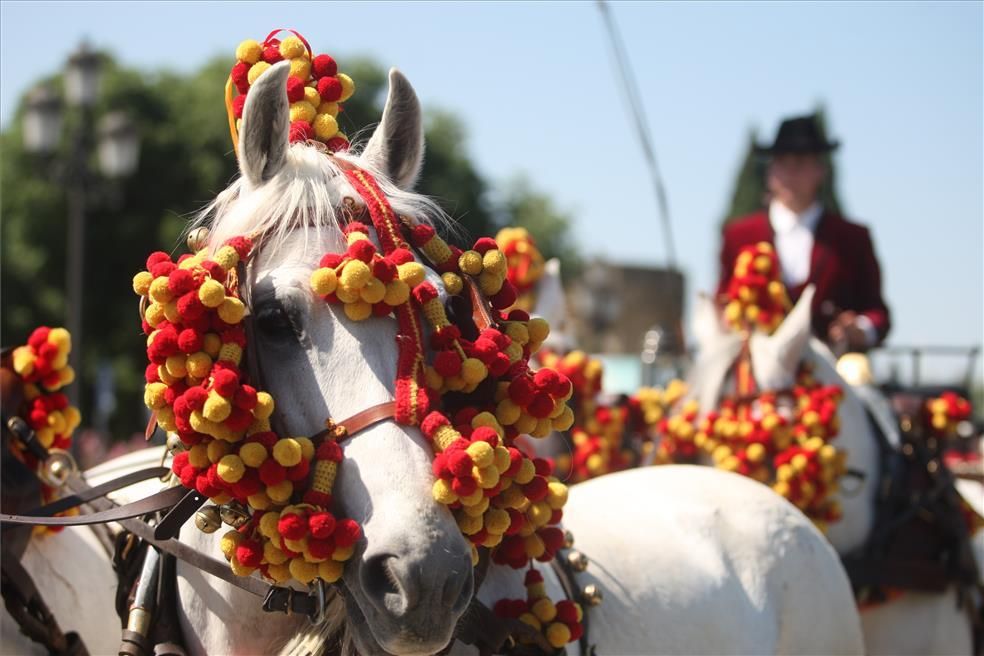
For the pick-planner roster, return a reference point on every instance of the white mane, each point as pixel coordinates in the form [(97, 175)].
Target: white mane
[(303, 195)]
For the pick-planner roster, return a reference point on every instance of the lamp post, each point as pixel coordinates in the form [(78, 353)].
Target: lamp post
[(117, 145)]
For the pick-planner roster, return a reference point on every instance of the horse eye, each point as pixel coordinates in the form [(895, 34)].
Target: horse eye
[(274, 321)]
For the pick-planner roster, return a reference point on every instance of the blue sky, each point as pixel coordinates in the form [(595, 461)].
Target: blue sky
[(903, 84)]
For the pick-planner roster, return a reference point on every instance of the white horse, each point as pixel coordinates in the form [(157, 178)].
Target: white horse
[(915, 623), (708, 562)]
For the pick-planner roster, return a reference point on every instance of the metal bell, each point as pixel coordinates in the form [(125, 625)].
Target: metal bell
[(59, 466), (568, 539), (234, 514), (592, 595), (197, 239), (174, 444), (207, 519), (577, 560)]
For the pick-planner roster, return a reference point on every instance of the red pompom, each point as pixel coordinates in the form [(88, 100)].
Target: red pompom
[(225, 382), (337, 144), (321, 548), (432, 422), (521, 391), (536, 489), (331, 260), (401, 256), (347, 531), (464, 487), (154, 259), (447, 363), (362, 249), (163, 269), (300, 131), (271, 54), (238, 104), (485, 434), (295, 89), (299, 472), (189, 341), (460, 463), (384, 269), (421, 234), (424, 292), (292, 526), (505, 297), (542, 466), (272, 472), (151, 374), (485, 244), (330, 89), (321, 524), (566, 610), (541, 406), (239, 75), (323, 66), (329, 450)]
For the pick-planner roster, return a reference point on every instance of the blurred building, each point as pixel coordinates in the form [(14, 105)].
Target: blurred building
[(613, 307)]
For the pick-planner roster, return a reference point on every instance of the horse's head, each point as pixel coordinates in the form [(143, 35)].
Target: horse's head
[(411, 576), (775, 358)]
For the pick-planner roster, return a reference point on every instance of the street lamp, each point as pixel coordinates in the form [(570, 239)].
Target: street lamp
[(117, 145)]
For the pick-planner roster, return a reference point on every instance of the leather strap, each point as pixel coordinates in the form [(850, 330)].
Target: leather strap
[(161, 501), (170, 525), (360, 421)]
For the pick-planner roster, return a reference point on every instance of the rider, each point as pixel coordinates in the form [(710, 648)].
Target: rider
[(814, 245)]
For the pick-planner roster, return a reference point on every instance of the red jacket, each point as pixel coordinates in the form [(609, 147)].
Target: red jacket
[(844, 268)]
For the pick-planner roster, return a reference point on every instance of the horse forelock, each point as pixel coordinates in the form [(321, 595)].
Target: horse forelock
[(305, 194)]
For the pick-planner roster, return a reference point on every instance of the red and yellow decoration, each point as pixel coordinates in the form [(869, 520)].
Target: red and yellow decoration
[(196, 388), (559, 622), (756, 297), (316, 89), (42, 365), (945, 413), (525, 264)]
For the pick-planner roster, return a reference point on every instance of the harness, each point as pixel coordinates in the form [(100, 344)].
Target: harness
[(147, 549)]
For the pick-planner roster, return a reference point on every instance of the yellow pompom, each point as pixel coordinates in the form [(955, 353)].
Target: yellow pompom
[(558, 635), (154, 395), (330, 570), (538, 329), (264, 406), (216, 450), (486, 477), (279, 573), (302, 570), (452, 283), (556, 495), (358, 310), (355, 275), (470, 262), (330, 108), (232, 310), (230, 540), (253, 454), (373, 292), (517, 332), (302, 110), (473, 371), (341, 554), (159, 291), (534, 546), (307, 447), (216, 408), (258, 501), (397, 293), (287, 452), (497, 521), (545, 610), (211, 293), (325, 126), (312, 96), (469, 525), (280, 493), (249, 51), (346, 295), (231, 468), (256, 70), (412, 273), (292, 47), (348, 86), (268, 525), (525, 424), (198, 456), (154, 314), (481, 453), (443, 493), (301, 68), (212, 344), (526, 472), (273, 555), (198, 364), (141, 282), (490, 283), (494, 261), (564, 420), (175, 366)]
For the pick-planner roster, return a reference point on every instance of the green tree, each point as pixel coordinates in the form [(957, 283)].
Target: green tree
[(749, 192), (186, 159)]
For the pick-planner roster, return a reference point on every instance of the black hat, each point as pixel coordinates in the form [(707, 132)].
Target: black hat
[(798, 135)]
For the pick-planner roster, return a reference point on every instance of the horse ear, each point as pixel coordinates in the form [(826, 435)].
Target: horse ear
[(264, 137), (396, 148), (790, 339), (707, 322)]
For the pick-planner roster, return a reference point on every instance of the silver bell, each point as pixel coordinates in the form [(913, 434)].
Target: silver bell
[(174, 444), (592, 595), (577, 560), (197, 239), (207, 519), (568, 539), (234, 514), (59, 466)]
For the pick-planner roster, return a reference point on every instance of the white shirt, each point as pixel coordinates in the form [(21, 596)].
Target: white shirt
[(794, 240), (794, 234)]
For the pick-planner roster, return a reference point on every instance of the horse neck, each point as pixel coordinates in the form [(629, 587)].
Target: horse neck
[(858, 440)]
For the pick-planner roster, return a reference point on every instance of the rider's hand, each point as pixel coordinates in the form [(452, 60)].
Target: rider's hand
[(845, 329)]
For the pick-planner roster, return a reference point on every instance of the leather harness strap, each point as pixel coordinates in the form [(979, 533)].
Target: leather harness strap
[(161, 501)]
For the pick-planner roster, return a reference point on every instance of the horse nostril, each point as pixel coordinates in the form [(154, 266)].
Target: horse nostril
[(457, 591), (378, 579)]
